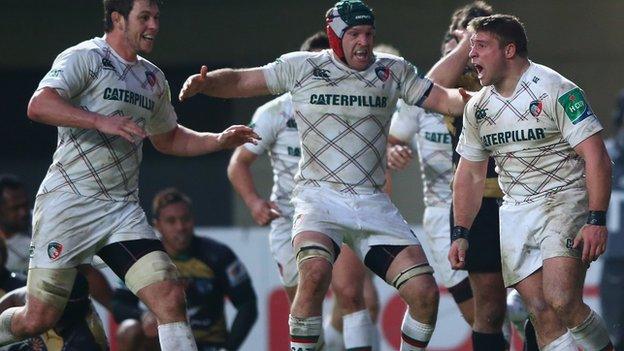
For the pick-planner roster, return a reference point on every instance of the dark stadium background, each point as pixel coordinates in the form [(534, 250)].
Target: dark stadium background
[(581, 39)]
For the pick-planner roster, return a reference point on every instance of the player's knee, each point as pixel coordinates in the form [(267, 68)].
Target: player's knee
[(421, 292), (562, 302), (37, 323), (349, 296), (315, 275)]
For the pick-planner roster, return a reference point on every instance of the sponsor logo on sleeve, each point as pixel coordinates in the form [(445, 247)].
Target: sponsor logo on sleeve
[(54, 73), (480, 113), (575, 106)]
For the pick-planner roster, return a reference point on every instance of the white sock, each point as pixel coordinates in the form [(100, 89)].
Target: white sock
[(358, 330), (305, 332), (333, 337), (592, 334), (176, 336), (6, 336), (414, 335), (563, 343)]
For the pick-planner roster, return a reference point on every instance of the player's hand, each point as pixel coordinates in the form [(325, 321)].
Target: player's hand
[(149, 324), (466, 95), (593, 240), (399, 156), (457, 253), (122, 126), (263, 212), (193, 84), (237, 135)]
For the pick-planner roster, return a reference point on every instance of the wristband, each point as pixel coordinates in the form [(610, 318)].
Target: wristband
[(597, 218), (459, 232)]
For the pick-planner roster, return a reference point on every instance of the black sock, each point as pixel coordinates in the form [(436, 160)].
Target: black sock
[(530, 339), (488, 342)]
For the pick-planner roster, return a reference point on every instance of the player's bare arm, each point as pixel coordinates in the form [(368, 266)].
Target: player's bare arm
[(47, 106), (447, 101), (225, 83), (468, 187), (448, 69), (598, 179), (239, 173), (399, 154), (181, 141)]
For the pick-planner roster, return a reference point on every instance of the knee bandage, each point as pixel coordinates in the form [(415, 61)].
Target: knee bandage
[(410, 273), (310, 249), (152, 268), (52, 286)]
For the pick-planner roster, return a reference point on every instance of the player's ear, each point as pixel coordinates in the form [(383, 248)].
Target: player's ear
[(510, 50), (118, 20)]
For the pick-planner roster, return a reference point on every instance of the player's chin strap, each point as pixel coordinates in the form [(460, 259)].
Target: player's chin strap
[(410, 273)]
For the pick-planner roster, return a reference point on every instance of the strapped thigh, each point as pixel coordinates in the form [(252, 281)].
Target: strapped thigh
[(312, 249), (52, 286), (380, 257)]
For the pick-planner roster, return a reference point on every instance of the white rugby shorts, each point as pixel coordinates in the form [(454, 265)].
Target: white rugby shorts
[(360, 221), (542, 229), (281, 247), (436, 241), (69, 229)]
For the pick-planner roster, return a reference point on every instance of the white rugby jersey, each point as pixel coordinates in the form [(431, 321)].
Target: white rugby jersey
[(93, 77), (531, 134), (427, 133), (343, 115), (275, 124)]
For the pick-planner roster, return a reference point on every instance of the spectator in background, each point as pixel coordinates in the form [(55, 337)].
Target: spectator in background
[(15, 222), (612, 283), (210, 272)]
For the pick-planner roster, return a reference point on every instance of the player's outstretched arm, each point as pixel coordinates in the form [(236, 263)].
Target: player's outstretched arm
[(468, 187), (447, 101), (47, 106), (181, 141), (239, 173), (598, 180), (225, 83)]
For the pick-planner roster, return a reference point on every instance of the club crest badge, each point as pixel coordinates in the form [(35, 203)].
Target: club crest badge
[(383, 73), (535, 107), (54, 250), (151, 78)]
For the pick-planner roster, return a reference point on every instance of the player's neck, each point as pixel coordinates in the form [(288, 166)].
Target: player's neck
[(117, 41), (515, 69)]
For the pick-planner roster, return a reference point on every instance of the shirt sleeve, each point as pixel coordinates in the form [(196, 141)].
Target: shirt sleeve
[(414, 89), (573, 114), (70, 73), (164, 118), (282, 73), (264, 122), (470, 145), (404, 124), (238, 285)]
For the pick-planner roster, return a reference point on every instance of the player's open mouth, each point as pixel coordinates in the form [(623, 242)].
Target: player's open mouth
[(148, 37), (361, 54), (478, 68)]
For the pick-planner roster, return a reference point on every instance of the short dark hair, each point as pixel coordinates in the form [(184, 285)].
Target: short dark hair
[(167, 197), (508, 29), (463, 15), (317, 41), (122, 6), (9, 181)]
